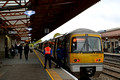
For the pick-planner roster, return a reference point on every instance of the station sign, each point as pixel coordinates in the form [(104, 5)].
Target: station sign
[(46, 30), (24, 38), (22, 42), (12, 32)]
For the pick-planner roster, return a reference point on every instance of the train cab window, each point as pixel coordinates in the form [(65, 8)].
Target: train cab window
[(94, 44), (78, 43), (86, 44)]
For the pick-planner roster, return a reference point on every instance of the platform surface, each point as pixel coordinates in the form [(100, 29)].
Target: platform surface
[(31, 69)]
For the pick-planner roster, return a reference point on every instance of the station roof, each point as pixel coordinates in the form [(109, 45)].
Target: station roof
[(50, 14), (114, 33)]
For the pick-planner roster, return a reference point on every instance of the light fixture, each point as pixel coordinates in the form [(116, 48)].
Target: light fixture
[(29, 34), (29, 12), (29, 29), (29, 37)]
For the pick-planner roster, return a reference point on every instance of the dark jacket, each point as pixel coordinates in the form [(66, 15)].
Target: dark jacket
[(26, 49), (20, 49), (59, 53)]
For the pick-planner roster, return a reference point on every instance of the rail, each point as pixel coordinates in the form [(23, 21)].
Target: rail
[(112, 65)]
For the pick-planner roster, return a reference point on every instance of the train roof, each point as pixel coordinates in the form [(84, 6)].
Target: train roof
[(83, 31)]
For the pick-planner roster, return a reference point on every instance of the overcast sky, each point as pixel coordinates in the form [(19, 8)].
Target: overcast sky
[(101, 16)]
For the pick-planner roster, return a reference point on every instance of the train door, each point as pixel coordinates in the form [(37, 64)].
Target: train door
[(54, 52), (41, 47), (63, 43), (55, 48), (67, 47)]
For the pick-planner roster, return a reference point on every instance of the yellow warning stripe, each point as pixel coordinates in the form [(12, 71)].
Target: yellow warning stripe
[(55, 74), (43, 65)]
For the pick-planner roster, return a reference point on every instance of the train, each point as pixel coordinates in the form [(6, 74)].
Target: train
[(83, 51)]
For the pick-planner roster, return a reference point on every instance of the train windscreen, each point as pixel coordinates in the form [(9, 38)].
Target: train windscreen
[(86, 44)]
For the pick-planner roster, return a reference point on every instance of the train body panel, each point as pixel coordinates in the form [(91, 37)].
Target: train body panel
[(86, 57), (89, 55), (76, 67)]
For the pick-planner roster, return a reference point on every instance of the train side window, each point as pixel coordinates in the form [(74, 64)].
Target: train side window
[(116, 44)]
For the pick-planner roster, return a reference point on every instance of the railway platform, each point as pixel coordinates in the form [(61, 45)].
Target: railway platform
[(31, 69), (112, 54)]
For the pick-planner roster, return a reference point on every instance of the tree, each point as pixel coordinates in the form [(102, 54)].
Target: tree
[(38, 41), (57, 34)]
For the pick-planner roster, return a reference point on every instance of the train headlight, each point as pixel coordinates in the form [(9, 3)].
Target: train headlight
[(97, 60), (76, 60)]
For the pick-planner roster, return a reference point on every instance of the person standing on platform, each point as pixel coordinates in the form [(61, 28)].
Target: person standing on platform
[(26, 51), (12, 51), (47, 53), (16, 49), (20, 48), (59, 56)]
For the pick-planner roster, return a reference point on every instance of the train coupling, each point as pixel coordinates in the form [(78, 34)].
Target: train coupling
[(87, 71)]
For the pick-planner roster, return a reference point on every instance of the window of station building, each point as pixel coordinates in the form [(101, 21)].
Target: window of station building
[(108, 44), (116, 44), (103, 44), (112, 44)]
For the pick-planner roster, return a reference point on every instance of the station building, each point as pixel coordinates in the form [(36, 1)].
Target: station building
[(111, 40)]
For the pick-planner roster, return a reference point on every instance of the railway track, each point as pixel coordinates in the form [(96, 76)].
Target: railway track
[(111, 67), (111, 72), (112, 64)]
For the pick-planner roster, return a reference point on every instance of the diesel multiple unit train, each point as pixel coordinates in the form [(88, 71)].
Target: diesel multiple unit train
[(82, 49)]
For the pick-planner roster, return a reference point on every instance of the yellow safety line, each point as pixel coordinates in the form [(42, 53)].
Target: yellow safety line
[(39, 58), (43, 65)]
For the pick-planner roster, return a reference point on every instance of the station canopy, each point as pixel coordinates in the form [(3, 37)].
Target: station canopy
[(115, 33), (50, 14)]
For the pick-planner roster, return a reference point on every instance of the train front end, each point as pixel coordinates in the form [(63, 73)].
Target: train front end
[(86, 54)]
